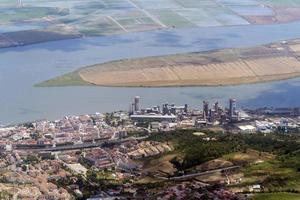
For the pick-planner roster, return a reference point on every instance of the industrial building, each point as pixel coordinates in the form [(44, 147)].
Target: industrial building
[(153, 118)]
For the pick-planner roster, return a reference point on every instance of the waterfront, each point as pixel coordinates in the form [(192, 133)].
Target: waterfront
[(22, 67)]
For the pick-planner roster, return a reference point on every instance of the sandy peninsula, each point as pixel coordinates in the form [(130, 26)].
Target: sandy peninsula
[(271, 62)]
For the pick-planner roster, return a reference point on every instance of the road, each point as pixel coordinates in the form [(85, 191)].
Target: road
[(83, 145), (188, 176)]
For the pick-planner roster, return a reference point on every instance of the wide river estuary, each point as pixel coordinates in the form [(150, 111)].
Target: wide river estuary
[(22, 67)]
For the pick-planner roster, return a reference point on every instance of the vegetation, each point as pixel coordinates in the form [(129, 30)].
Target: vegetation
[(276, 196), (4, 195), (104, 179), (70, 79), (279, 156), (85, 186), (26, 13), (194, 149), (275, 143), (31, 159), (277, 175)]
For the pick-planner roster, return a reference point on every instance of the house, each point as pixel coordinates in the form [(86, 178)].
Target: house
[(77, 168), (99, 159), (255, 188)]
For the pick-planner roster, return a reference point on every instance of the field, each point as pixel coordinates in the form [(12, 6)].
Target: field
[(160, 165), (275, 174), (247, 157), (247, 71), (296, 49), (224, 67), (277, 196), (107, 17), (67, 80)]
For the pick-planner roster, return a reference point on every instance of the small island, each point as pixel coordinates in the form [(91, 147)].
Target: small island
[(276, 61)]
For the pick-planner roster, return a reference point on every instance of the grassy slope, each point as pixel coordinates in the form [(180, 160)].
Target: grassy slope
[(277, 196), (71, 79)]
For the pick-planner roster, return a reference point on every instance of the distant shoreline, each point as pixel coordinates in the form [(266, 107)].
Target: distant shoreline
[(272, 62)]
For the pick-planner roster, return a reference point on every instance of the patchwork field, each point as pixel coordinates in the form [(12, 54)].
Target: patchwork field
[(106, 17), (224, 67)]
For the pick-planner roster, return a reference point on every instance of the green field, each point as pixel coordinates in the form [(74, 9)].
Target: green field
[(111, 17), (282, 2), (7, 3), (108, 17), (27, 13), (98, 26), (274, 175), (171, 18), (277, 196), (159, 14), (71, 79)]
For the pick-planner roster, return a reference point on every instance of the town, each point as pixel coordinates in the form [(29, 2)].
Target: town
[(118, 154)]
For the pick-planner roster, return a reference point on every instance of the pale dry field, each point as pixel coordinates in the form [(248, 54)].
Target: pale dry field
[(295, 48), (190, 74)]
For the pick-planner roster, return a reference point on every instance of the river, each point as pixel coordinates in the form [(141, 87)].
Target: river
[(22, 67)]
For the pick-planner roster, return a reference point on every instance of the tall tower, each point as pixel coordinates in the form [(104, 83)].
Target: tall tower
[(185, 108), (205, 109), (232, 107), (131, 108), (212, 115), (217, 110), (136, 103), (216, 106), (19, 3), (165, 109)]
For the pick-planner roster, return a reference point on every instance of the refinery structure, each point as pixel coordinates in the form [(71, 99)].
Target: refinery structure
[(214, 114)]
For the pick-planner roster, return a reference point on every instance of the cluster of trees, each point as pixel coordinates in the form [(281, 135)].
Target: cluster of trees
[(196, 151), (280, 144), (5, 195), (31, 159)]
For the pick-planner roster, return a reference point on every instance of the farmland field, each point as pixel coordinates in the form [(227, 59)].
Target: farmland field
[(277, 196), (244, 71), (104, 17)]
